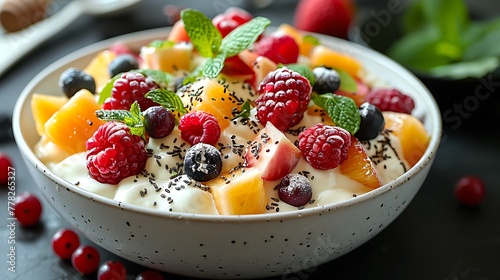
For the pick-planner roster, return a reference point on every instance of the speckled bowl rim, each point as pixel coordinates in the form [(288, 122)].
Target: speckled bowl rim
[(432, 113)]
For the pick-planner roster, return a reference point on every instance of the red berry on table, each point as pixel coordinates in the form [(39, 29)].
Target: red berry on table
[(390, 100), (283, 98), (128, 88), (114, 153), (150, 275), (85, 259), (470, 191), (5, 168), (112, 270), (323, 146), (65, 242), (280, 49), (199, 126), (330, 17), (27, 209)]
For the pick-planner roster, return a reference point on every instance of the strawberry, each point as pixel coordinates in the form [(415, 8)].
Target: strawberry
[(330, 17), (359, 167)]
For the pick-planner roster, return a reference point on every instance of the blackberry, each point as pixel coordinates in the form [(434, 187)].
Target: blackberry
[(295, 189), (372, 122), (326, 80), (158, 121), (203, 162), (122, 63), (72, 80)]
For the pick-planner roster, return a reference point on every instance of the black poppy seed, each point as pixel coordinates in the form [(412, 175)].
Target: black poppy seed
[(143, 192), (77, 183), (163, 195)]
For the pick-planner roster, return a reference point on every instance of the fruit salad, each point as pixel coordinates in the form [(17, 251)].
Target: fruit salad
[(223, 117)]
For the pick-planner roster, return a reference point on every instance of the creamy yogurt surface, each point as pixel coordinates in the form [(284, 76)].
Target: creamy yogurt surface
[(163, 186)]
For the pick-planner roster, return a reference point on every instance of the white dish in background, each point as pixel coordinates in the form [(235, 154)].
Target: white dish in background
[(218, 247), (19, 44)]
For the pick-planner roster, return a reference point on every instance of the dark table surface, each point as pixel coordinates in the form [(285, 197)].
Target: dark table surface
[(434, 238)]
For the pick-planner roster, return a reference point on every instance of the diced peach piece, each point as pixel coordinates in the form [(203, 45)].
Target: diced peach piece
[(43, 107), (272, 153), (169, 58), (262, 67), (316, 111), (325, 56), (411, 132), (216, 100), (98, 67), (239, 192), (359, 167), (178, 33), (74, 122)]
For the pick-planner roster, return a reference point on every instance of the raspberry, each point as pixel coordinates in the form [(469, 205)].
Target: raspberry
[(390, 100), (323, 146), (283, 98), (128, 88), (199, 127), (114, 153), (280, 49)]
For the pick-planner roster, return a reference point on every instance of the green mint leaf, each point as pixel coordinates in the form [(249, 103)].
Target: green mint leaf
[(106, 90), (303, 70), (243, 36), (342, 110), (311, 39), (133, 118), (467, 69), (245, 111), (113, 115), (158, 44), (202, 33), (168, 99), (159, 77), (213, 66), (347, 82)]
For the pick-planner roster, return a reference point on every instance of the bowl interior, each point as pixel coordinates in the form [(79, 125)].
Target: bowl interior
[(390, 72)]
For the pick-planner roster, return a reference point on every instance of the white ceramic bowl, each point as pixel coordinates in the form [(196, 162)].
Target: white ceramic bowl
[(228, 246)]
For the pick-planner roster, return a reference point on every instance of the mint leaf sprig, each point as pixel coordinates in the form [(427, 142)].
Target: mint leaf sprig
[(209, 43), (341, 109), (168, 99), (133, 118)]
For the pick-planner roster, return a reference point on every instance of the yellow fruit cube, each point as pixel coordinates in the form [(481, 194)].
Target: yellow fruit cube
[(239, 192), (43, 107), (216, 99), (74, 122), (98, 68), (169, 58)]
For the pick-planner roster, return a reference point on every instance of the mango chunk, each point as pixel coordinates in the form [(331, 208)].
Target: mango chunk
[(43, 107), (74, 122)]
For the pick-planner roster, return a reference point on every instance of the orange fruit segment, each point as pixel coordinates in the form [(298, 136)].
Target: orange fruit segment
[(74, 122), (43, 107), (324, 56), (411, 132), (359, 167), (239, 192), (216, 99), (98, 68)]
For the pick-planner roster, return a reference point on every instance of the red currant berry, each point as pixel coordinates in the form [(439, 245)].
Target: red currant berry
[(65, 242), (470, 191), (112, 270), (224, 25), (27, 209), (5, 168), (149, 275), (85, 259)]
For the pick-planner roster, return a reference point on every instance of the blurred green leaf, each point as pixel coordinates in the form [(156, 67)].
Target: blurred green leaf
[(466, 69), (482, 39)]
